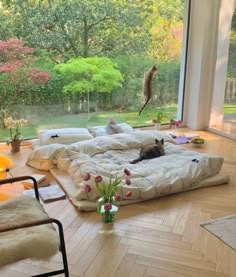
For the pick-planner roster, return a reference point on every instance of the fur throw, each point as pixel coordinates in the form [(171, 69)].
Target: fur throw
[(38, 242)]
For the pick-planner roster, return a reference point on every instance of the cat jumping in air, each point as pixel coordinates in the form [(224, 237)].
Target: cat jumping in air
[(151, 151), (147, 85)]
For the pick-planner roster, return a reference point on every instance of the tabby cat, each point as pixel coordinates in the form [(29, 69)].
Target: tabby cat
[(151, 151), (147, 85)]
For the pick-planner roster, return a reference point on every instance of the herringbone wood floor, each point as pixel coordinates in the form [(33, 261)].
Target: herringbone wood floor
[(160, 238)]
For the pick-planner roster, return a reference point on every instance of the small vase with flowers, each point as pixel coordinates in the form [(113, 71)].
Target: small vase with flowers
[(15, 138), (109, 202)]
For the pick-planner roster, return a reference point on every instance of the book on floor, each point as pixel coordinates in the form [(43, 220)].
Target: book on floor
[(182, 140), (51, 193), (40, 178)]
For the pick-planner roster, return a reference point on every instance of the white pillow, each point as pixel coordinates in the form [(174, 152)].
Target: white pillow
[(64, 135), (126, 128), (35, 143), (98, 131), (43, 156)]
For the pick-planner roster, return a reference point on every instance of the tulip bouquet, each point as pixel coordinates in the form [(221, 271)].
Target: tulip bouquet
[(110, 198)]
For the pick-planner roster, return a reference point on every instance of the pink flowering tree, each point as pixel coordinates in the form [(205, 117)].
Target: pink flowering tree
[(17, 74)]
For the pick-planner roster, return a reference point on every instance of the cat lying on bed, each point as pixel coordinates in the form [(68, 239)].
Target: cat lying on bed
[(151, 151)]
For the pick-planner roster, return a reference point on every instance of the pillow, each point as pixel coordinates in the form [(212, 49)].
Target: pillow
[(101, 130), (126, 128), (43, 156), (35, 143), (64, 135), (112, 128)]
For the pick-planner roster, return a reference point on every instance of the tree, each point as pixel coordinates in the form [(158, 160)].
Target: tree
[(16, 74), (80, 28), (138, 31), (166, 28), (89, 75), (231, 70)]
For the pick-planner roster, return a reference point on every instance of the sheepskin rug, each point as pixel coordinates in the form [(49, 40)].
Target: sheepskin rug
[(39, 242)]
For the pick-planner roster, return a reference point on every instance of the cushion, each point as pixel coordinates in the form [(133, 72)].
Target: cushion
[(43, 156), (64, 135), (104, 130), (35, 143), (112, 128)]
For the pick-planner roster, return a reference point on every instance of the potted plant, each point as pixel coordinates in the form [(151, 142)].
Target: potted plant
[(15, 138), (157, 120), (175, 123)]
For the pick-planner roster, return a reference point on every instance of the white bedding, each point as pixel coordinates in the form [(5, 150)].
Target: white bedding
[(179, 170)]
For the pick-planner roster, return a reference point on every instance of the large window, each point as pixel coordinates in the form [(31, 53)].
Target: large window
[(223, 113), (83, 62), (230, 87)]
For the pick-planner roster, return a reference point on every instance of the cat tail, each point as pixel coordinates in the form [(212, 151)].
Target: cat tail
[(136, 161), (144, 106)]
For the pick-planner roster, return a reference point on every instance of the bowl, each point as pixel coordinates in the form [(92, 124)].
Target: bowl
[(198, 141)]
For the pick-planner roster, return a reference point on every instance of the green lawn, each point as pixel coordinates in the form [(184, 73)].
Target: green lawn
[(95, 119), (229, 109)]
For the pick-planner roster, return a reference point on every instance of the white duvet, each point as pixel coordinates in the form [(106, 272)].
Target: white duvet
[(178, 170)]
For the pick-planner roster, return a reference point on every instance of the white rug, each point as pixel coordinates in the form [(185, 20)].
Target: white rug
[(223, 228)]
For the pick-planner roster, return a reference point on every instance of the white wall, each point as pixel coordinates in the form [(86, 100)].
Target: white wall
[(201, 62)]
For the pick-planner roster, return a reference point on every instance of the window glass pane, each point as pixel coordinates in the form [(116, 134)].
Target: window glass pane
[(230, 87), (223, 112), (83, 62)]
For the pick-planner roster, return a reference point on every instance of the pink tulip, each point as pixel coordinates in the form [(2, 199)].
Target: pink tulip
[(127, 172), (107, 206), (128, 182), (98, 179), (87, 188), (117, 197), (87, 176), (128, 194)]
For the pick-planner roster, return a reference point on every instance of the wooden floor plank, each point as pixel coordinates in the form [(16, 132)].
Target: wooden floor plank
[(232, 263), (223, 258), (156, 272), (101, 265), (161, 248), (182, 269), (153, 239), (192, 225), (137, 271), (211, 248), (174, 258), (126, 265)]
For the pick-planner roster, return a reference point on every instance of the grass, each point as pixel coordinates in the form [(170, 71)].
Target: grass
[(96, 119), (229, 109), (85, 120)]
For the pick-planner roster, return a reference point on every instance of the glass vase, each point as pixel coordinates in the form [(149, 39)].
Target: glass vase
[(107, 216)]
